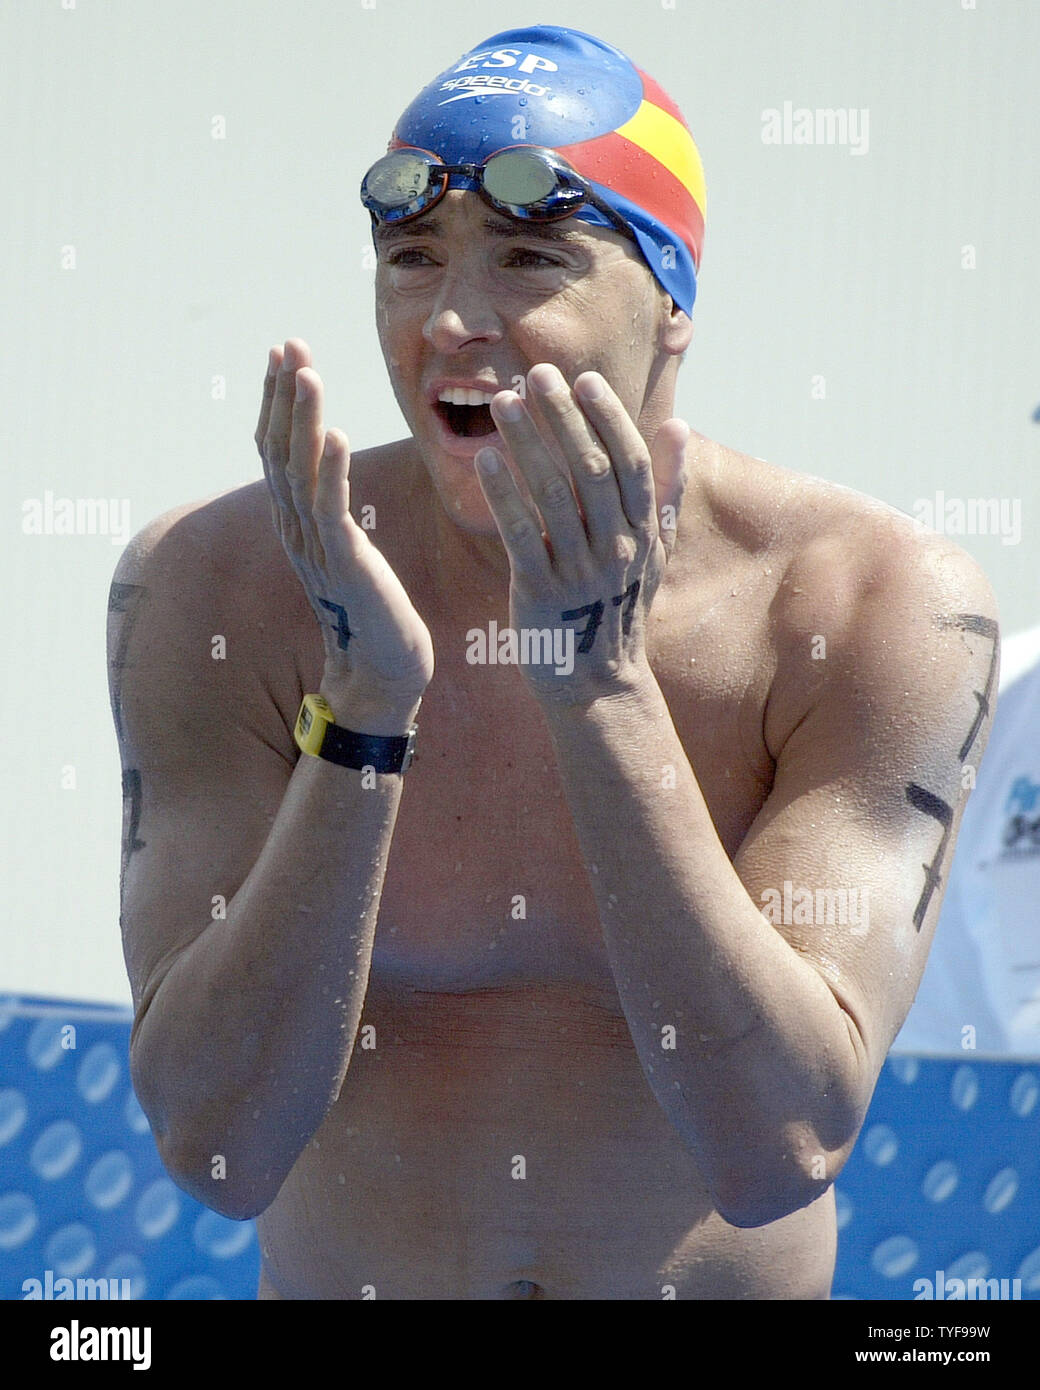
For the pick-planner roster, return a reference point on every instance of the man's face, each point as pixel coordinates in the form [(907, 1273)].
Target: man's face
[(470, 299)]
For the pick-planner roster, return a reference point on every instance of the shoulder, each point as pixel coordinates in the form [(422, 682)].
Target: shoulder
[(190, 602), (836, 555), (854, 561), (893, 626), (226, 544), (862, 601), (202, 540)]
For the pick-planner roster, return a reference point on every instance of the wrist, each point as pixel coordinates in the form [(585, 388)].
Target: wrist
[(367, 707), (635, 686)]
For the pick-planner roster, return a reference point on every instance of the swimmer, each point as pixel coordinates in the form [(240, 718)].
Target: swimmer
[(565, 970)]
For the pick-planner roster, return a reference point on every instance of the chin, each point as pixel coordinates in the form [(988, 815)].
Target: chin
[(475, 525), (470, 514), (455, 482)]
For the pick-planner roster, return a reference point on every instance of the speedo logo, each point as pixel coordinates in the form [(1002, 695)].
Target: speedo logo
[(486, 84), (507, 58)]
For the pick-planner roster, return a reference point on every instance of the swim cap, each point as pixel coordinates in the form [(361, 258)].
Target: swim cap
[(584, 99)]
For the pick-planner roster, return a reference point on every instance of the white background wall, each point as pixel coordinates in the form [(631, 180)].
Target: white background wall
[(193, 255)]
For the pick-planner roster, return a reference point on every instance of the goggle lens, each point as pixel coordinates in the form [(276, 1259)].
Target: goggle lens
[(519, 179), (394, 182), (528, 183)]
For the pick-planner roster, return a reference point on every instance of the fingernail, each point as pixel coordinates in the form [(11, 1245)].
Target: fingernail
[(510, 407), (591, 387), (303, 389), (487, 460), (545, 379)]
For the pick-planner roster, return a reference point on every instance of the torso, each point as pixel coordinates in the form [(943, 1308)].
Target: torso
[(500, 1139)]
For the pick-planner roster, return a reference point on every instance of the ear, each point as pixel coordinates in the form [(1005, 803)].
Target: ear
[(676, 327)]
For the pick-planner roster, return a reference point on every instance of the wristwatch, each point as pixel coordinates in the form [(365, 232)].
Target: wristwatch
[(318, 734)]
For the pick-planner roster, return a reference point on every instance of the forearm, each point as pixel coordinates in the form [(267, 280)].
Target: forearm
[(244, 1045), (761, 1075)]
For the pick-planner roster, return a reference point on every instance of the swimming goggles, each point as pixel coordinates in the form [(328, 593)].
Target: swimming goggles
[(528, 182)]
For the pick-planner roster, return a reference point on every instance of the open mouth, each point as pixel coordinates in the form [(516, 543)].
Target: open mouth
[(466, 421)]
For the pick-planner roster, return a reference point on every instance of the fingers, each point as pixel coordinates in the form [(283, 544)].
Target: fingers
[(517, 524), (274, 359), (598, 462), (550, 487), (670, 477), (306, 438), (331, 506), (289, 436), (620, 487)]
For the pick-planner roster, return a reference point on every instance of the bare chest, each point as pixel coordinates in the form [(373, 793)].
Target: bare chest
[(485, 885)]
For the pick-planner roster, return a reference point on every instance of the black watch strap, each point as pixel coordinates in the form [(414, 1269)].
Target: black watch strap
[(382, 753)]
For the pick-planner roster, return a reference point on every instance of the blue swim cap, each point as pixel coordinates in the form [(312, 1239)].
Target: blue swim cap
[(587, 101)]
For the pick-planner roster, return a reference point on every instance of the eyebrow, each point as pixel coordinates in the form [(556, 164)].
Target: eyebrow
[(430, 225)]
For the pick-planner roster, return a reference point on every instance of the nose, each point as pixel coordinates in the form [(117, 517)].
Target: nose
[(462, 313)]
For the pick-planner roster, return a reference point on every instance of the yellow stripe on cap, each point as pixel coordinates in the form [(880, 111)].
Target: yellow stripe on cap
[(671, 144)]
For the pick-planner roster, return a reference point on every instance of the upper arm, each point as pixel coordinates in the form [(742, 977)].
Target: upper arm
[(881, 731), (205, 750)]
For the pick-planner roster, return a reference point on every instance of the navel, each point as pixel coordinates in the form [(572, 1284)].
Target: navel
[(524, 1288)]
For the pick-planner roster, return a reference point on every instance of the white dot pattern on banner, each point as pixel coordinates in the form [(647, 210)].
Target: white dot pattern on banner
[(1024, 1093), (940, 1181), (134, 1116), (199, 1287), (70, 1251), (1001, 1190), (157, 1209), (83, 1193), (971, 1265), (109, 1180), (880, 1145), (894, 1257), (18, 1219), (220, 1237), (843, 1209), (905, 1068), (13, 1113), (44, 1048), (57, 1150), (128, 1267), (1029, 1272), (98, 1073), (945, 1177), (964, 1088)]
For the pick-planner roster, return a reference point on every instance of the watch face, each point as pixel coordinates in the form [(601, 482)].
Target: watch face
[(306, 720)]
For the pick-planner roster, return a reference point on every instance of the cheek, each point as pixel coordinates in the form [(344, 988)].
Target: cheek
[(398, 329)]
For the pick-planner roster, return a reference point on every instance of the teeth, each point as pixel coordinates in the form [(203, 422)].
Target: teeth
[(465, 395)]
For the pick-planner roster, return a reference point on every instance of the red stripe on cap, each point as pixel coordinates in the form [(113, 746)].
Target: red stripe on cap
[(624, 167), (652, 92)]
